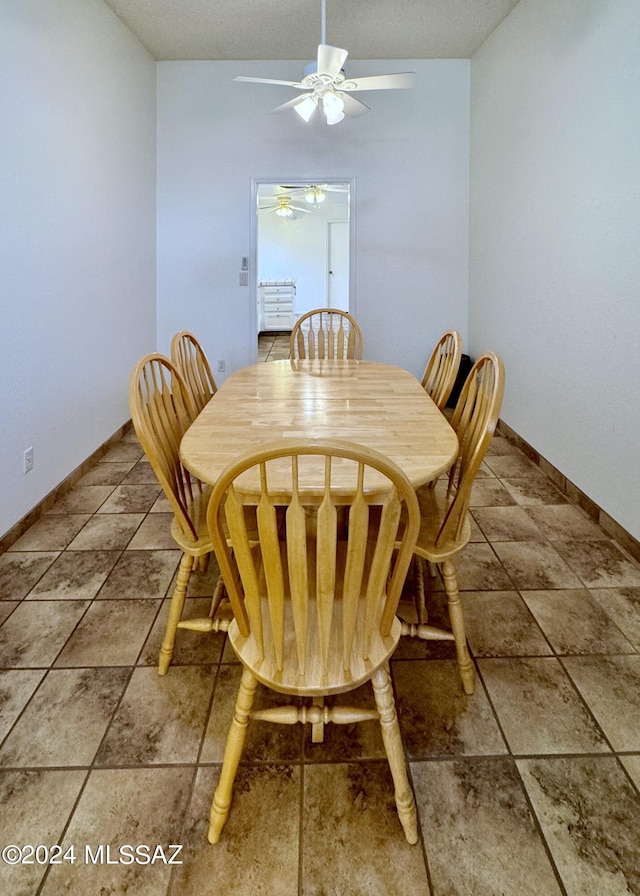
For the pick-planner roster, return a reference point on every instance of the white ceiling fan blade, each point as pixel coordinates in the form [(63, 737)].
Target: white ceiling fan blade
[(330, 60), (325, 188), (352, 106), (291, 104), (399, 81), (297, 84)]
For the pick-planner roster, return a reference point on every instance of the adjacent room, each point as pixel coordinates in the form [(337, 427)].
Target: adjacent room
[(146, 191)]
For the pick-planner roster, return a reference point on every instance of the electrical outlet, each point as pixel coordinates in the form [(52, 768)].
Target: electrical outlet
[(28, 460), (222, 366), (243, 278)]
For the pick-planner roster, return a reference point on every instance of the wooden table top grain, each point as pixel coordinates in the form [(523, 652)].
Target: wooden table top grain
[(375, 404)]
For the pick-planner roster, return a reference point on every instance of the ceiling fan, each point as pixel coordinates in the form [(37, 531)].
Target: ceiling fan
[(327, 87), (315, 194), (284, 207)]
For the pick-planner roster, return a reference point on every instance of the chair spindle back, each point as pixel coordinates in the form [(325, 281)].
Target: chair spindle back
[(324, 571), (189, 357), (326, 333)]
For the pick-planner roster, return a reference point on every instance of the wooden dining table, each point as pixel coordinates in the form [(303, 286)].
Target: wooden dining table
[(374, 404)]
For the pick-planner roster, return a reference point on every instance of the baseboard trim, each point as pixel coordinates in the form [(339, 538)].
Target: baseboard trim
[(573, 493), (66, 485)]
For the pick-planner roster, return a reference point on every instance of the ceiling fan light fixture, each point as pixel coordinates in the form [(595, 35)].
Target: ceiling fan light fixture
[(306, 107), (284, 211), (333, 107), (315, 195)]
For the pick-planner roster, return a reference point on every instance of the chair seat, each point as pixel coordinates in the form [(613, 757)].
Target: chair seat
[(434, 505), (313, 682)]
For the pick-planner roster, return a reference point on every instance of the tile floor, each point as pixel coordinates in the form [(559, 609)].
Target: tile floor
[(531, 786), (273, 346)]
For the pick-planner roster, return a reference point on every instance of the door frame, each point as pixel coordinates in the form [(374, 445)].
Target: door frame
[(256, 183)]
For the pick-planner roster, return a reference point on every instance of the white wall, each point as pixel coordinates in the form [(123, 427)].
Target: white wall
[(555, 236), (409, 156), (77, 211)]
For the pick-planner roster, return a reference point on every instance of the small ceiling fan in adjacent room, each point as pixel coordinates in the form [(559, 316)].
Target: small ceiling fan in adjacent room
[(315, 194), (284, 207), (327, 87)]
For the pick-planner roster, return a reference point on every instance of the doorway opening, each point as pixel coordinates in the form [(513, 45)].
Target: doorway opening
[(303, 239)]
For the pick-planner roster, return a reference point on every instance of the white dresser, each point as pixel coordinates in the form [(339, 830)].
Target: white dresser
[(275, 304)]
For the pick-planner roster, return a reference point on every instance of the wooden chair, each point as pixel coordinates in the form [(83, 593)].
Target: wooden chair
[(314, 609), (188, 356), (162, 408), (326, 333), (445, 527), (442, 367)]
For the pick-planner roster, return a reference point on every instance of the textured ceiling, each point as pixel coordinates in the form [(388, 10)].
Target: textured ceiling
[(291, 29)]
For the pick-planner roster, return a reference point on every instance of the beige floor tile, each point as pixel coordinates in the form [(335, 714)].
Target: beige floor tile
[(106, 473), (36, 631), (20, 572), (506, 524), (75, 575), (479, 806), (160, 719), (513, 466), (490, 493), (6, 609), (528, 491), (593, 839), (564, 522), (623, 606), (131, 499), (153, 534), (600, 564), (258, 851), (349, 811), (82, 499), (52, 532), (479, 569), (16, 689), (111, 633), (538, 708), (437, 718), (140, 474), (123, 451), (499, 623), (35, 809), (574, 622), (534, 565), (141, 574), (120, 807), (610, 685), (107, 532), (632, 765), (65, 720)]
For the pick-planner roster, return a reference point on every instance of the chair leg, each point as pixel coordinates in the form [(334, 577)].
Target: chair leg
[(317, 729), (395, 753), (420, 600), (457, 626), (175, 612), (201, 564), (232, 753)]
